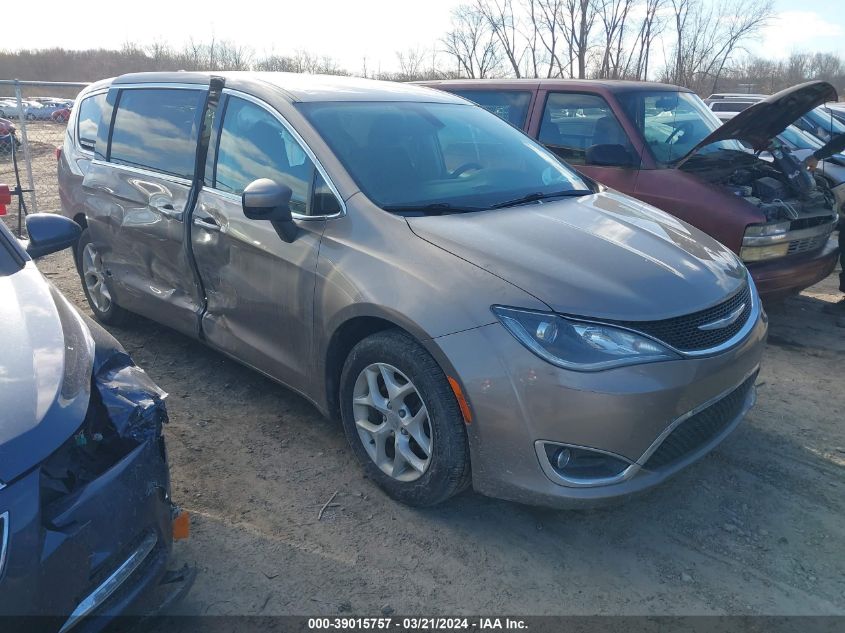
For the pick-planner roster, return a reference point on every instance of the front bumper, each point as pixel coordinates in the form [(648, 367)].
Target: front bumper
[(518, 399), (780, 278), (59, 554)]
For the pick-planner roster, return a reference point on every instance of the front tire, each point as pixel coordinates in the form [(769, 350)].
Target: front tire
[(402, 420), (92, 273)]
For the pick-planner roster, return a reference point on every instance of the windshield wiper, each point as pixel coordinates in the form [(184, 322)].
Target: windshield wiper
[(537, 195), (435, 208)]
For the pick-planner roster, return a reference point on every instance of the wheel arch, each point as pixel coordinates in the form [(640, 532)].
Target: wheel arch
[(352, 330)]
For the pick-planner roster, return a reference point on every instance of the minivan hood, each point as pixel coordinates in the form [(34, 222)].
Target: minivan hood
[(603, 255), (758, 124), (38, 411)]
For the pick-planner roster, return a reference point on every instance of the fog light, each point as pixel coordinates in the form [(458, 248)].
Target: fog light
[(562, 458), (546, 332), (583, 465)]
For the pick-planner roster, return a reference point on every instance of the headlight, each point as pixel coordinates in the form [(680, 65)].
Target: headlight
[(580, 345), (765, 241)]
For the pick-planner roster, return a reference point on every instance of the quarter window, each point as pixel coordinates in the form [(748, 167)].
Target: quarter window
[(254, 144), (157, 129), (90, 111), (573, 123), (510, 105)]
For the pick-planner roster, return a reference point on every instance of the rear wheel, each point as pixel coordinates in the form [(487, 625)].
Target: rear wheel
[(403, 421), (89, 263)]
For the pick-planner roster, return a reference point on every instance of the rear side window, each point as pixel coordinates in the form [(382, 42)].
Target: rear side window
[(574, 122), (510, 105), (157, 129), (90, 111), (730, 106), (254, 144)]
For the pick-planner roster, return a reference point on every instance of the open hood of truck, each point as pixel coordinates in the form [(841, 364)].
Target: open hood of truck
[(760, 123)]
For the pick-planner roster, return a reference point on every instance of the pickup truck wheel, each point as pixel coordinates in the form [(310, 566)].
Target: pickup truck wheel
[(402, 420), (89, 263)]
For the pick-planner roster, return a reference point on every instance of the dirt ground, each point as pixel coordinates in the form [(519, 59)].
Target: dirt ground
[(755, 528)]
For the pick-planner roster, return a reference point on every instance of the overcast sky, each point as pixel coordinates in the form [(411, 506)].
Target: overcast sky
[(347, 30)]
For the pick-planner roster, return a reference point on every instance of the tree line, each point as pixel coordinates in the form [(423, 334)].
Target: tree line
[(700, 44)]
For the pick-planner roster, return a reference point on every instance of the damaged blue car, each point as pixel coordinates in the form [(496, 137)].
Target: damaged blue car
[(86, 518)]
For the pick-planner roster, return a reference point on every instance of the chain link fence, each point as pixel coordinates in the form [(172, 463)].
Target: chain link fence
[(33, 120)]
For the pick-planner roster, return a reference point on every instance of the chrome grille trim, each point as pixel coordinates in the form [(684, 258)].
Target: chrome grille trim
[(746, 323), (112, 583), (4, 539)]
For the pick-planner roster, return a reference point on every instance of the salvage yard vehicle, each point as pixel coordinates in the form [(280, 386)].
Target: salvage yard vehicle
[(470, 307), (661, 144), (86, 519)]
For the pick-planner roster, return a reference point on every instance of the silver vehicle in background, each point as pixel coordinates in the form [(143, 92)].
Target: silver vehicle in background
[(470, 307)]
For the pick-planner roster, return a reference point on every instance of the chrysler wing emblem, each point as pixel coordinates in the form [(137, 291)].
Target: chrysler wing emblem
[(718, 324)]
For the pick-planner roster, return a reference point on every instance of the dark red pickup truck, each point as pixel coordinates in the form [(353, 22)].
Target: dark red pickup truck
[(661, 144)]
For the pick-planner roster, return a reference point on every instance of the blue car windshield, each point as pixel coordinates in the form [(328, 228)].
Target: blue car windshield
[(825, 123), (411, 155)]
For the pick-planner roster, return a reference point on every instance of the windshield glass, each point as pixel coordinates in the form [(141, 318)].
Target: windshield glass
[(825, 124), (799, 139), (415, 155), (672, 123)]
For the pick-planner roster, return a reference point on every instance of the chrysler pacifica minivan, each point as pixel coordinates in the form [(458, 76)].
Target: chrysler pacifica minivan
[(473, 310)]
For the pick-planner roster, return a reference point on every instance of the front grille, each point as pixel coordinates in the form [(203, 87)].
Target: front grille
[(700, 428), (807, 244), (683, 333)]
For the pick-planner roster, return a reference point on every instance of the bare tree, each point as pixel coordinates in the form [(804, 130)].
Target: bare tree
[(579, 16), (504, 23), (707, 36), (613, 16), (472, 43), (545, 17)]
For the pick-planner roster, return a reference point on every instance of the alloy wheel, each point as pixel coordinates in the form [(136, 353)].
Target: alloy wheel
[(94, 277), (392, 422)]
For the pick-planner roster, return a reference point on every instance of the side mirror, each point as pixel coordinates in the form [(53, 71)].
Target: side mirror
[(50, 233), (265, 199), (609, 156)]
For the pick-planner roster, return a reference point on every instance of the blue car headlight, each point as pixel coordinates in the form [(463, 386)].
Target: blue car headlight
[(580, 345)]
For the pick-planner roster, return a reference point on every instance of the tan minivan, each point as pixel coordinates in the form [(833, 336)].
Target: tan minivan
[(469, 306)]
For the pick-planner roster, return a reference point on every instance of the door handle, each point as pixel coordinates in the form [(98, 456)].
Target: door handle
[(166, 209), (207, 223)]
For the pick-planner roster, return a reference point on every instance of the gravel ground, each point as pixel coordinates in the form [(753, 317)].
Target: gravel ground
[(755, 528)]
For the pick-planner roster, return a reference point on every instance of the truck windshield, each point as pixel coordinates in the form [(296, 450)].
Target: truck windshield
[(438, 157), (672, 123)]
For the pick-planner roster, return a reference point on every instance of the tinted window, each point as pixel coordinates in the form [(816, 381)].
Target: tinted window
[(410, 155), (730, 106), (90, 110), (572, 123), (510, 105), (156, 129), (254, 144), (672, 123), (324, 200)]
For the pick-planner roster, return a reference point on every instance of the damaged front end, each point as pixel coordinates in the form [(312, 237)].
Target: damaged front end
[(90, 528), (126, 408)]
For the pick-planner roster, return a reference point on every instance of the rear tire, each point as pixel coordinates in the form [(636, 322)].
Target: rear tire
[(412, 443), (93, 276)]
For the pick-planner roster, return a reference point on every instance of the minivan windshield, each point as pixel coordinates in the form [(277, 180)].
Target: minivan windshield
[(672, 123), (439, 157)]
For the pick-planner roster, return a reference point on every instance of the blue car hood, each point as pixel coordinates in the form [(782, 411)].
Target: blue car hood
[(45, 371)]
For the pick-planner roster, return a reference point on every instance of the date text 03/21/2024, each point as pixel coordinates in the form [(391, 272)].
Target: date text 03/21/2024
[(417, 624)]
